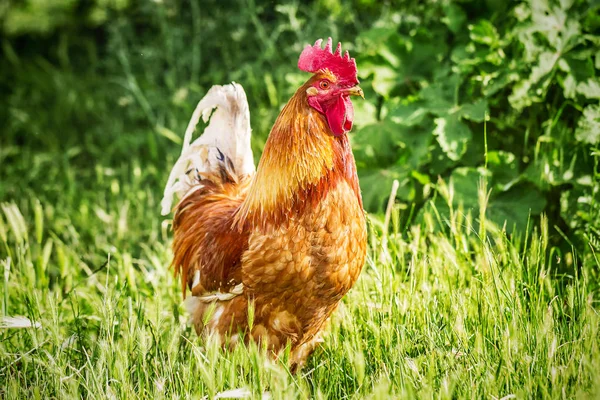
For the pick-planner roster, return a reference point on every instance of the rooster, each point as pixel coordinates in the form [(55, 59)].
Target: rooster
[(269, 253)]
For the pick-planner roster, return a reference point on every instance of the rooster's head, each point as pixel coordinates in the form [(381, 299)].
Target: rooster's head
[(334, 81)]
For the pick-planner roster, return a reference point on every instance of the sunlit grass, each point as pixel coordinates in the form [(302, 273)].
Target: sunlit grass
[(452, 309)]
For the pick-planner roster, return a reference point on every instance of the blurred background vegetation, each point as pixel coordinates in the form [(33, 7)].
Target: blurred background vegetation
[(459, 95)]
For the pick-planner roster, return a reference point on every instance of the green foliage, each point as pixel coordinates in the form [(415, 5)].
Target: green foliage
[(518, 81), (485, 282)]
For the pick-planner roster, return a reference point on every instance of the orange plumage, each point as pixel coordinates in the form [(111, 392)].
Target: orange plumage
[(287, 241)]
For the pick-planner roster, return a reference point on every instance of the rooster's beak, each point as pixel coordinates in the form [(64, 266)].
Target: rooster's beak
[(355, 91)]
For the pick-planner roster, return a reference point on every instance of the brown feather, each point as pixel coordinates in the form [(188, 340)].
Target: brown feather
[(202, 230)]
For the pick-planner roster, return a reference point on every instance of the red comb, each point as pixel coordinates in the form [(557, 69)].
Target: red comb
[(314, 58)]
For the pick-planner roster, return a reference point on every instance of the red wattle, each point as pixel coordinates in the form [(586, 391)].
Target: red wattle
[(340, 116)]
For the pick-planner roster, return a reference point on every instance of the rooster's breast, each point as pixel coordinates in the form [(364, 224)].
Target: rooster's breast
[(297, 272)]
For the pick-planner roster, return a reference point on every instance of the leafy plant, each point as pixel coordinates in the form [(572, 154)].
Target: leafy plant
[(511, 96)]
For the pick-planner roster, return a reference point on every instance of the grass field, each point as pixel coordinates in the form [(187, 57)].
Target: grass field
[(465, 314)]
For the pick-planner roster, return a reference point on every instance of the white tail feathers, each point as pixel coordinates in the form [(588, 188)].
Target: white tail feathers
[(227, 134)]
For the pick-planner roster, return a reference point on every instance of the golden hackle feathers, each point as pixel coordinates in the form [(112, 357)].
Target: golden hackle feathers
[(299, 155)]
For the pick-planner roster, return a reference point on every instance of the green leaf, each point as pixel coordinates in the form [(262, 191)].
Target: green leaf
[(474, 111), (546, 64), (524, 92), (384, 144), (452, 135), (579, 65), (439, 97), (416, 142), (376, 145), (590, 89), (504, 169), (570, 86), (385, 77), (588, 126), (376, 185), (455, 18), (499, 82), (408, 115), (515, 206), (484, 32), (555, 24)]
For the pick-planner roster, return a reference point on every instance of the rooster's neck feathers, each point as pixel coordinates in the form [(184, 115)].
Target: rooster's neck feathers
[(301, 161)]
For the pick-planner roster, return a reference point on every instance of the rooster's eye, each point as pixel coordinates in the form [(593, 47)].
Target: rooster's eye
[(324, 85)]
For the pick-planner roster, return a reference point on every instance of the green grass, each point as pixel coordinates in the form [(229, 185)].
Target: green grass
[(438, 311)]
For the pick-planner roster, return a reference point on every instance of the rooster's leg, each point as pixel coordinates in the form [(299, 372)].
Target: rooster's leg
[(301, 353)]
